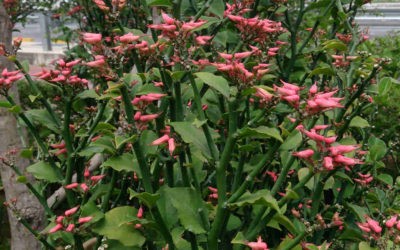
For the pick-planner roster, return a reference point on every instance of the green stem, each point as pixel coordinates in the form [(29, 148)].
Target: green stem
[(106, 202), (221, 215), (200, 112), (205, 7), (70, 151)]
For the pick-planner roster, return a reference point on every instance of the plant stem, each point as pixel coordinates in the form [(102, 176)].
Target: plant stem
[(106, 202), (200, 112), (70, 151), (221, 215)]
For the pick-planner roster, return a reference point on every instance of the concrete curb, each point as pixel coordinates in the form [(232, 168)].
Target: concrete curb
[(39, 57)]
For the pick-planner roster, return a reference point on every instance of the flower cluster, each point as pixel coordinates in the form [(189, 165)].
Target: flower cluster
[(141, 103), (63, 74), (323, 101), (90, 181), (333, 155), (67, 222), (7, 78)]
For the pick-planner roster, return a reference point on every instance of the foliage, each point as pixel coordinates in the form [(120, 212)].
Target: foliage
[(220, 125)]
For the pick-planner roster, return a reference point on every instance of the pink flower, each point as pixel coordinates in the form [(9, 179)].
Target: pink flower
[(128, 38), (328, 163), (346, 160), (71, 211), (263, 94), (70, 228), (171, 146), (374, 225), (163, 139), (56, 228), (96, 178), (342, 149), (92, 38), (60, 219), (167, 19), (305, 154), (391, 222), (84, 187), (364, 227), (140, 212), (259, 245), (85, 219), (148, 118), (72, 185), (203, 40)]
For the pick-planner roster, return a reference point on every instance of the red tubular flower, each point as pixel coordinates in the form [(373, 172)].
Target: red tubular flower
[(70, 228), (163, 139), (391, 222), (72, 185), (305, 154), (85, 219), (264, 95), (92, 38), (71, 211), (56, 228)]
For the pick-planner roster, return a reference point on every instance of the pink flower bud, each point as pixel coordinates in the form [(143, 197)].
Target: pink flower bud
[(171, 146), (56, 228), (84, 187), (304, 154), (96, 178), (85, 219), (71, 211), (70, 228), (374, 225), (161, 140), (148, 118), (60, 219), (72, 185), (140, 212), (390, 223)]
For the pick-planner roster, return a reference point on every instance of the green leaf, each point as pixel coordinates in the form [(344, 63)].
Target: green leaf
[(148, 199), (334, 44), (377, 148), (87, 94), (322, 71), (239, 239), (90, 209), (5, 104), (44, 171), (43, 117), (302, 173), (115, 226), (292, 141), (365, 246), (125, 162), (359, 122), (286, 222), (260, 197), (385, 178), (122, 140), (22, 179), (191, 134), (261, 132), (188, 205), (384, 85), (16, 109), (26, 153), (217, 82), (360, 212), (217, 7), (160, 3), (33, 98)]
